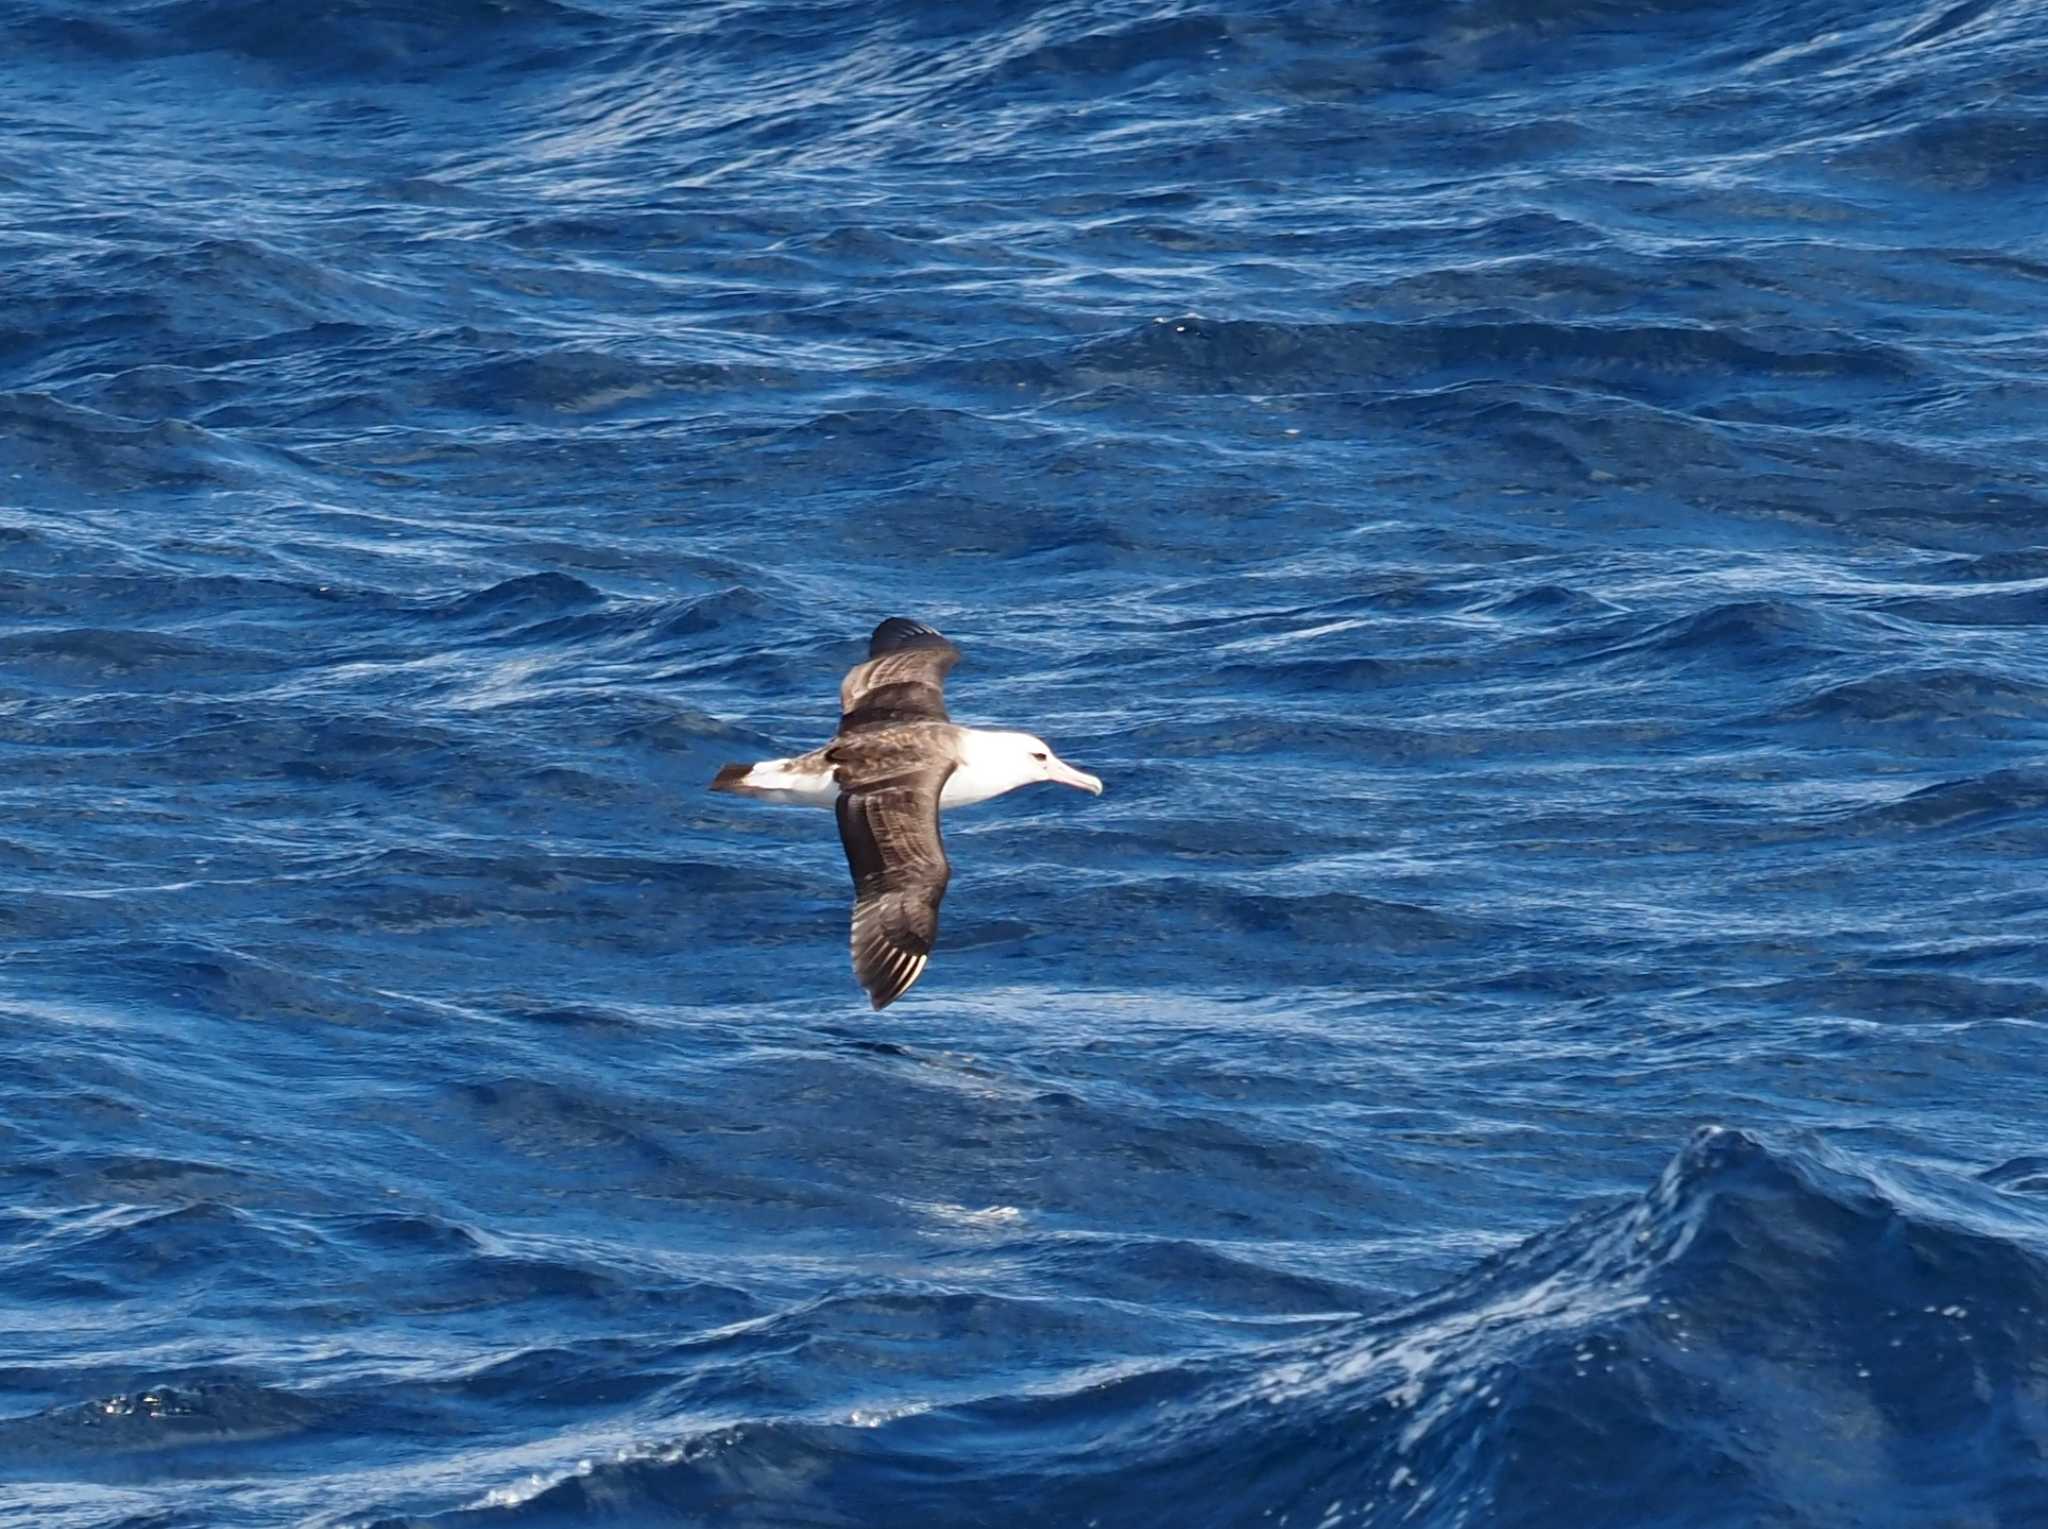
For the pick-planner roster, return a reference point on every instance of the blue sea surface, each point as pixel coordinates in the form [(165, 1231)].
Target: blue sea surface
[(1537, 510)]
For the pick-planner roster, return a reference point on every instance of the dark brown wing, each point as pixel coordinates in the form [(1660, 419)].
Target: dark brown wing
[(890, 828), (904, 679)]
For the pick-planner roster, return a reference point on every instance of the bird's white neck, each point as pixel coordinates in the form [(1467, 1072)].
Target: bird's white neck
[(991, 762)]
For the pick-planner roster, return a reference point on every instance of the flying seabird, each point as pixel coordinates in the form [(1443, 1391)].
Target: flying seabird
[(896, 762)]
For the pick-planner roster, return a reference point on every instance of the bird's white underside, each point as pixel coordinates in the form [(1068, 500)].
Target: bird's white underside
[(991, 764)]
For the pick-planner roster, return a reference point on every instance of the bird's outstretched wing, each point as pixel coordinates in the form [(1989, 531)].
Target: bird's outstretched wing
[(903, 680), (890, 827)]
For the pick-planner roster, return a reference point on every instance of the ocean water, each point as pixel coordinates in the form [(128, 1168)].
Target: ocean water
[(1535, 508)]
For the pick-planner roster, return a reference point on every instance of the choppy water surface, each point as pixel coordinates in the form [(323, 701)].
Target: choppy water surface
[(1534, 507)]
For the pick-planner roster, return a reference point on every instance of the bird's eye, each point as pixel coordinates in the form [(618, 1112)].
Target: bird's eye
[(1039, 757)]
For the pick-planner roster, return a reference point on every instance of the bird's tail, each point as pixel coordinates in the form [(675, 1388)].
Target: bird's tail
[(805, 781)]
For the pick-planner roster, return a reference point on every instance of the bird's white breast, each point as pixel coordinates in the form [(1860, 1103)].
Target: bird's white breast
[(966, 786), (990, 764)]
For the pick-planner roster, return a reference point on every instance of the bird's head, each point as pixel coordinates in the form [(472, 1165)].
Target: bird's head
[(1030, 758)]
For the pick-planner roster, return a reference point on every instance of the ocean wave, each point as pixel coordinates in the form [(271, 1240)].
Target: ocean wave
[(1905, 997), (1989, 608), (1972, 804), (590, 384), (1771, 637), (357, 36), (96, 659), (523, 598), (1647, 362), (208, 1413), (93, 452), (1967, 151), (1964, 698), (1840, 1317)]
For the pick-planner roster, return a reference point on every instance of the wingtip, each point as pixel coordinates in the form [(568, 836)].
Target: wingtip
[(901, 632), (880, 998), (899, 983)]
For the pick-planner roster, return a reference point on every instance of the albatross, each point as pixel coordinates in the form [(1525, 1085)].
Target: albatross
[(896, 762)]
